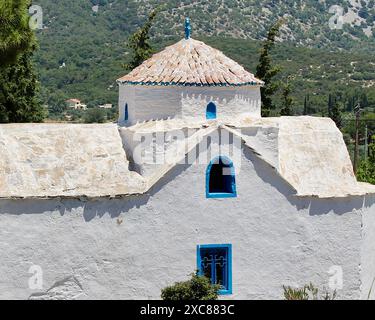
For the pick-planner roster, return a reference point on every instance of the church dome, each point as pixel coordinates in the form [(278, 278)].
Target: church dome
[(190, 63), (188, 80)]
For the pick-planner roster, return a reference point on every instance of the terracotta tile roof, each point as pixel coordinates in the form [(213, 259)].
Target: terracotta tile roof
[(190, 63)]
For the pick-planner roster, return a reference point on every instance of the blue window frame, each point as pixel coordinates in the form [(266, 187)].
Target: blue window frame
[(126, 112), (215, 262), (221, 179), (211, 111)]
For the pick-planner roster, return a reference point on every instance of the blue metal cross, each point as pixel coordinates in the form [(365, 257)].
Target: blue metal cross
[(187, 29)]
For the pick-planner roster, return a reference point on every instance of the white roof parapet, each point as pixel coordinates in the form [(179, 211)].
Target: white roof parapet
[(75, 161), (313, 158), (64, 160), (305, 156)]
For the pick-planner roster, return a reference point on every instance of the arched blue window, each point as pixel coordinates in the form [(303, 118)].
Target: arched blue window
[(126, 112), (211, 111), (221, 179)]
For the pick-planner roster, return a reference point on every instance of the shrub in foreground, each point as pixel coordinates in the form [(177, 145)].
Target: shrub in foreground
[(197, 288)]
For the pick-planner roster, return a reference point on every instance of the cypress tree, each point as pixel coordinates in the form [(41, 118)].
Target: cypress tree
[(334, 110), (364, 100), (139, 43), (266, 71), (330, 105), (287, 106), (306, 105)]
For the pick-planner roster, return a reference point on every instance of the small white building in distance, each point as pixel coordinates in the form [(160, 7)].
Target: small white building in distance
[(76, 104), (106, 106), (192, 178)]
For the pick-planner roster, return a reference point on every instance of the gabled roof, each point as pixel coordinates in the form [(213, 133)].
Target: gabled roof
[(190, 63)]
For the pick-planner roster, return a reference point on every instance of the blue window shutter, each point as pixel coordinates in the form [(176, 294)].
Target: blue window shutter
[(211, 111), (215, 262)]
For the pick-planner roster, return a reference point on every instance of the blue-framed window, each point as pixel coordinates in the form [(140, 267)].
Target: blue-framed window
[(221, 179), (211, 111), (215, 262), (126, 112)]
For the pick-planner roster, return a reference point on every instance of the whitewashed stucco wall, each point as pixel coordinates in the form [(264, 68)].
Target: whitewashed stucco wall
[(151, 103), (368, 250), (131, 248)]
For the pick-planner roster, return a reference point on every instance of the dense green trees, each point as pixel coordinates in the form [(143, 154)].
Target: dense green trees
[(95, 115), (18, 92), (308, 25), (56, 106), (91, 52), (15, 34), (18, 81)]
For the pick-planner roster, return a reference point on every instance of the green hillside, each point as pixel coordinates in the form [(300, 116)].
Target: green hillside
[(82, 51)]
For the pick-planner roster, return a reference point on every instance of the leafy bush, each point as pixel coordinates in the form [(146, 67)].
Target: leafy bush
[(366, 172), (95, 116), (197, 288), (308, 292), (366, 169)]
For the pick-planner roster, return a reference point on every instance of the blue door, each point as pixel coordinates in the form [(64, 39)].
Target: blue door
[(211, 111)]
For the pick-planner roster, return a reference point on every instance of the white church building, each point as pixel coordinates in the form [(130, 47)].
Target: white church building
[(191, 178)]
